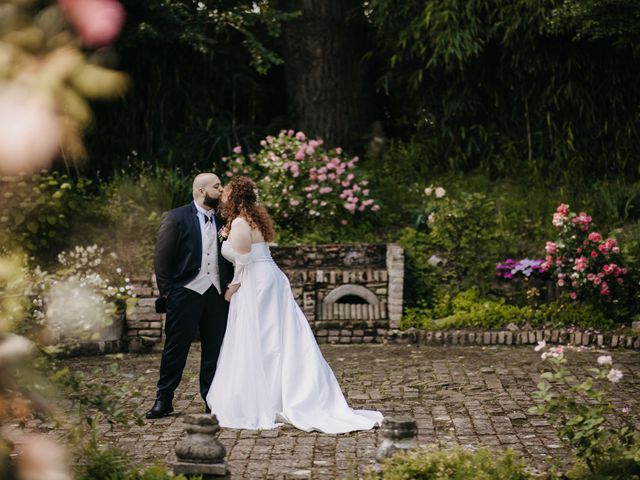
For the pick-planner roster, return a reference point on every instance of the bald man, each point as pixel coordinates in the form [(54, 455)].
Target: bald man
[(191, 275)]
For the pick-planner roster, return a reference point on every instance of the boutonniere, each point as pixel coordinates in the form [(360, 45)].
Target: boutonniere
[(223, 233)]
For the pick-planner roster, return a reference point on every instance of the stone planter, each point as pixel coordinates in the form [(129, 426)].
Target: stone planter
[(115, 331)]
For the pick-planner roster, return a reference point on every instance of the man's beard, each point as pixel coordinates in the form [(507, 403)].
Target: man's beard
[(211, 202)]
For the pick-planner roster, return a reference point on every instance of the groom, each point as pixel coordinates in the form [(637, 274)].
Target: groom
[(192, 276)]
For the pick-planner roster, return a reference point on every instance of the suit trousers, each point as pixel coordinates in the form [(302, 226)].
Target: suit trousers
[(187, 313)]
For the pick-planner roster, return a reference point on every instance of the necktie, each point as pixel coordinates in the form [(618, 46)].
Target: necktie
[(208, 227)]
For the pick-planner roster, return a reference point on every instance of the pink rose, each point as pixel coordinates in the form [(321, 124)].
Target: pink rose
[(344, 221), (550, 248), (597, 280), (294, 202), (98, 21), (595, 237), (30, 133), (375, 208), (573, 295), (300, 136), (237, 149), (338, 150), (594, 254)]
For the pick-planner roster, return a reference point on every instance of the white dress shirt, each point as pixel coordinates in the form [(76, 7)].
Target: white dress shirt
[(209, 273)]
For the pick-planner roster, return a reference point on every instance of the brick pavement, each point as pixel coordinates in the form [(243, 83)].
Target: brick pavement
[(458, 395)]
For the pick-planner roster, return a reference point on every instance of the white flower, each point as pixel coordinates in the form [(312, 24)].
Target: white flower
[(614, 375), (440, 192), (542, 344), (428, 191), (555, 352), (431, 218), (604, 360)]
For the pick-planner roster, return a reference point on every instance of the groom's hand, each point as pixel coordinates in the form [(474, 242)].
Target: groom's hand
[(230, 291)]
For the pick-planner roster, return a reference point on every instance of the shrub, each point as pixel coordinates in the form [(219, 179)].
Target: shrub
[(463, 229), (305, 186), (103, 462), (583, 413), (36, 211), (585, 265), (454, 464), (469, 310)]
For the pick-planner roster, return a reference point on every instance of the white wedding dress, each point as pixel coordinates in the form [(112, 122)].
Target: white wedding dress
[(270, 368)]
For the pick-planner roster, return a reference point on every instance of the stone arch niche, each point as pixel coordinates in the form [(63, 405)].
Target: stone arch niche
[(350, 293), (352, 301)]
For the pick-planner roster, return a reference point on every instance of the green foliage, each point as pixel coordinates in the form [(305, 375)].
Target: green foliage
[(463, 229), (103, 462), (103, 398), (38, 211), (582, 411), (469, 309), (546, 88), (453, 464), (199, 83), (422, 280)]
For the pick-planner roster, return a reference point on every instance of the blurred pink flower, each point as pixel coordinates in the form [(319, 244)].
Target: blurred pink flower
[(595, 237), (30, 133), (375, 208), (300, 136), (338, 150), (98, 21), (237, 149), (344, 222)]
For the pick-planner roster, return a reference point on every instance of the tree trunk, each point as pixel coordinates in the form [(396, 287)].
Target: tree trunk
[(324, 70)]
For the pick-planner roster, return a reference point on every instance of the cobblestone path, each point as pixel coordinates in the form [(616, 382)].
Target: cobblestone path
[(458, 395)]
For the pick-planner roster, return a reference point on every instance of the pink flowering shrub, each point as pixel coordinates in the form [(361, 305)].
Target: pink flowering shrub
[(300, 181), (584, 264)]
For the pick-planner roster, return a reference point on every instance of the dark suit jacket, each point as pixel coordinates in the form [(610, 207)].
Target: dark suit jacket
[(178, 253)]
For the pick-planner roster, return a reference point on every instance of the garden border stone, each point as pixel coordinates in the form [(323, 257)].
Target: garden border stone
[(561, 336)]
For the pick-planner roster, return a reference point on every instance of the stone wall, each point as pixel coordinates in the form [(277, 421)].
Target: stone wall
[(321, 277)]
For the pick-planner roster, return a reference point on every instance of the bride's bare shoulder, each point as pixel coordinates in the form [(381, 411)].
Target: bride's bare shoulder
[(240, 223)]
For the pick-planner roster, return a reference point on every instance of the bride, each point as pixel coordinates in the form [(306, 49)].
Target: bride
[(270, 368)]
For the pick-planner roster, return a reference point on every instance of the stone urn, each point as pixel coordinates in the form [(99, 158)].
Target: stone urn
[(399, 433), (200, 452)]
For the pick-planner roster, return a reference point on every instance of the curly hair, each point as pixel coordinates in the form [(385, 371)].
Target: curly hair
[(243, 202)]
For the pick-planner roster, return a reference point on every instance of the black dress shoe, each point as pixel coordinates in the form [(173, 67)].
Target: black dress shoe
[(161, 408)]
